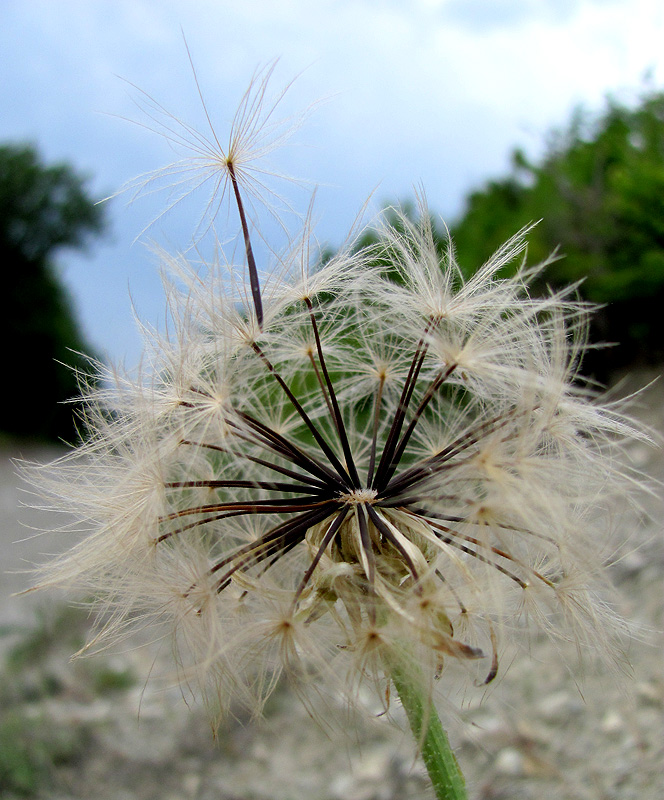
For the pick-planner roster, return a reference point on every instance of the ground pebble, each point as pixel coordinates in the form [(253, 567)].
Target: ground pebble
[(558, 706), (509, 762), (612, 722)]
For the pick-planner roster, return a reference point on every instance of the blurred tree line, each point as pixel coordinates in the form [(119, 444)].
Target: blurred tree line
[(43, 209), (598, 193)]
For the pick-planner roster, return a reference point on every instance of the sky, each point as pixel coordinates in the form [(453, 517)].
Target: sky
[(400, 94)]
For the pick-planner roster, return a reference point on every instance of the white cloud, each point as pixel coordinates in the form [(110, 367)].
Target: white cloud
[(483, 15)]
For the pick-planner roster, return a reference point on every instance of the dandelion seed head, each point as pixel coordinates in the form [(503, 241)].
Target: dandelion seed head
[(317, 466)]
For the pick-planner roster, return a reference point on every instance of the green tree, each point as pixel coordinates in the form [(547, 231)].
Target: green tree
[(599, 195), (43, 209)]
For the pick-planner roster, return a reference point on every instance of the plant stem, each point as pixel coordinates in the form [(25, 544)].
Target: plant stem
[(442, 766)]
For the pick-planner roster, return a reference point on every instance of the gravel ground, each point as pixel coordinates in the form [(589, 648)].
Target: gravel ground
[(98, 728)]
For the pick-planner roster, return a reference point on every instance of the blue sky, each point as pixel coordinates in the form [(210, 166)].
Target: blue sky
[(430, 92)]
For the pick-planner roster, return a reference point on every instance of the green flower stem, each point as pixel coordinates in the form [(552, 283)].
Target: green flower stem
[(442, 766)]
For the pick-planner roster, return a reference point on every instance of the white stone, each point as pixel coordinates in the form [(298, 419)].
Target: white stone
[(509, 762)]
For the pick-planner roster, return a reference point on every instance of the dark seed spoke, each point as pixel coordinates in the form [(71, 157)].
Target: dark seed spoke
[(367, 546), (258, 553), (409, 500), (323, 388), (286, 548), (260, 434), (251, 261), (307, 479), (376, 422), (425, 512), (279, 539), (265, 567), (248, 561), (442, 376), (273, 486), (404, 402), (324, 446), (453, 592), (198, 522), (384, 529), (424, 468), (399, 501), (504, 554), (271, 506), (329, 535), (337, 416), (493, 669), (450, 536), (286, 448)]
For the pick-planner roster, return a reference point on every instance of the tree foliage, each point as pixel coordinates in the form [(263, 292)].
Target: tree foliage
[(599, 195), (42, 210)]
